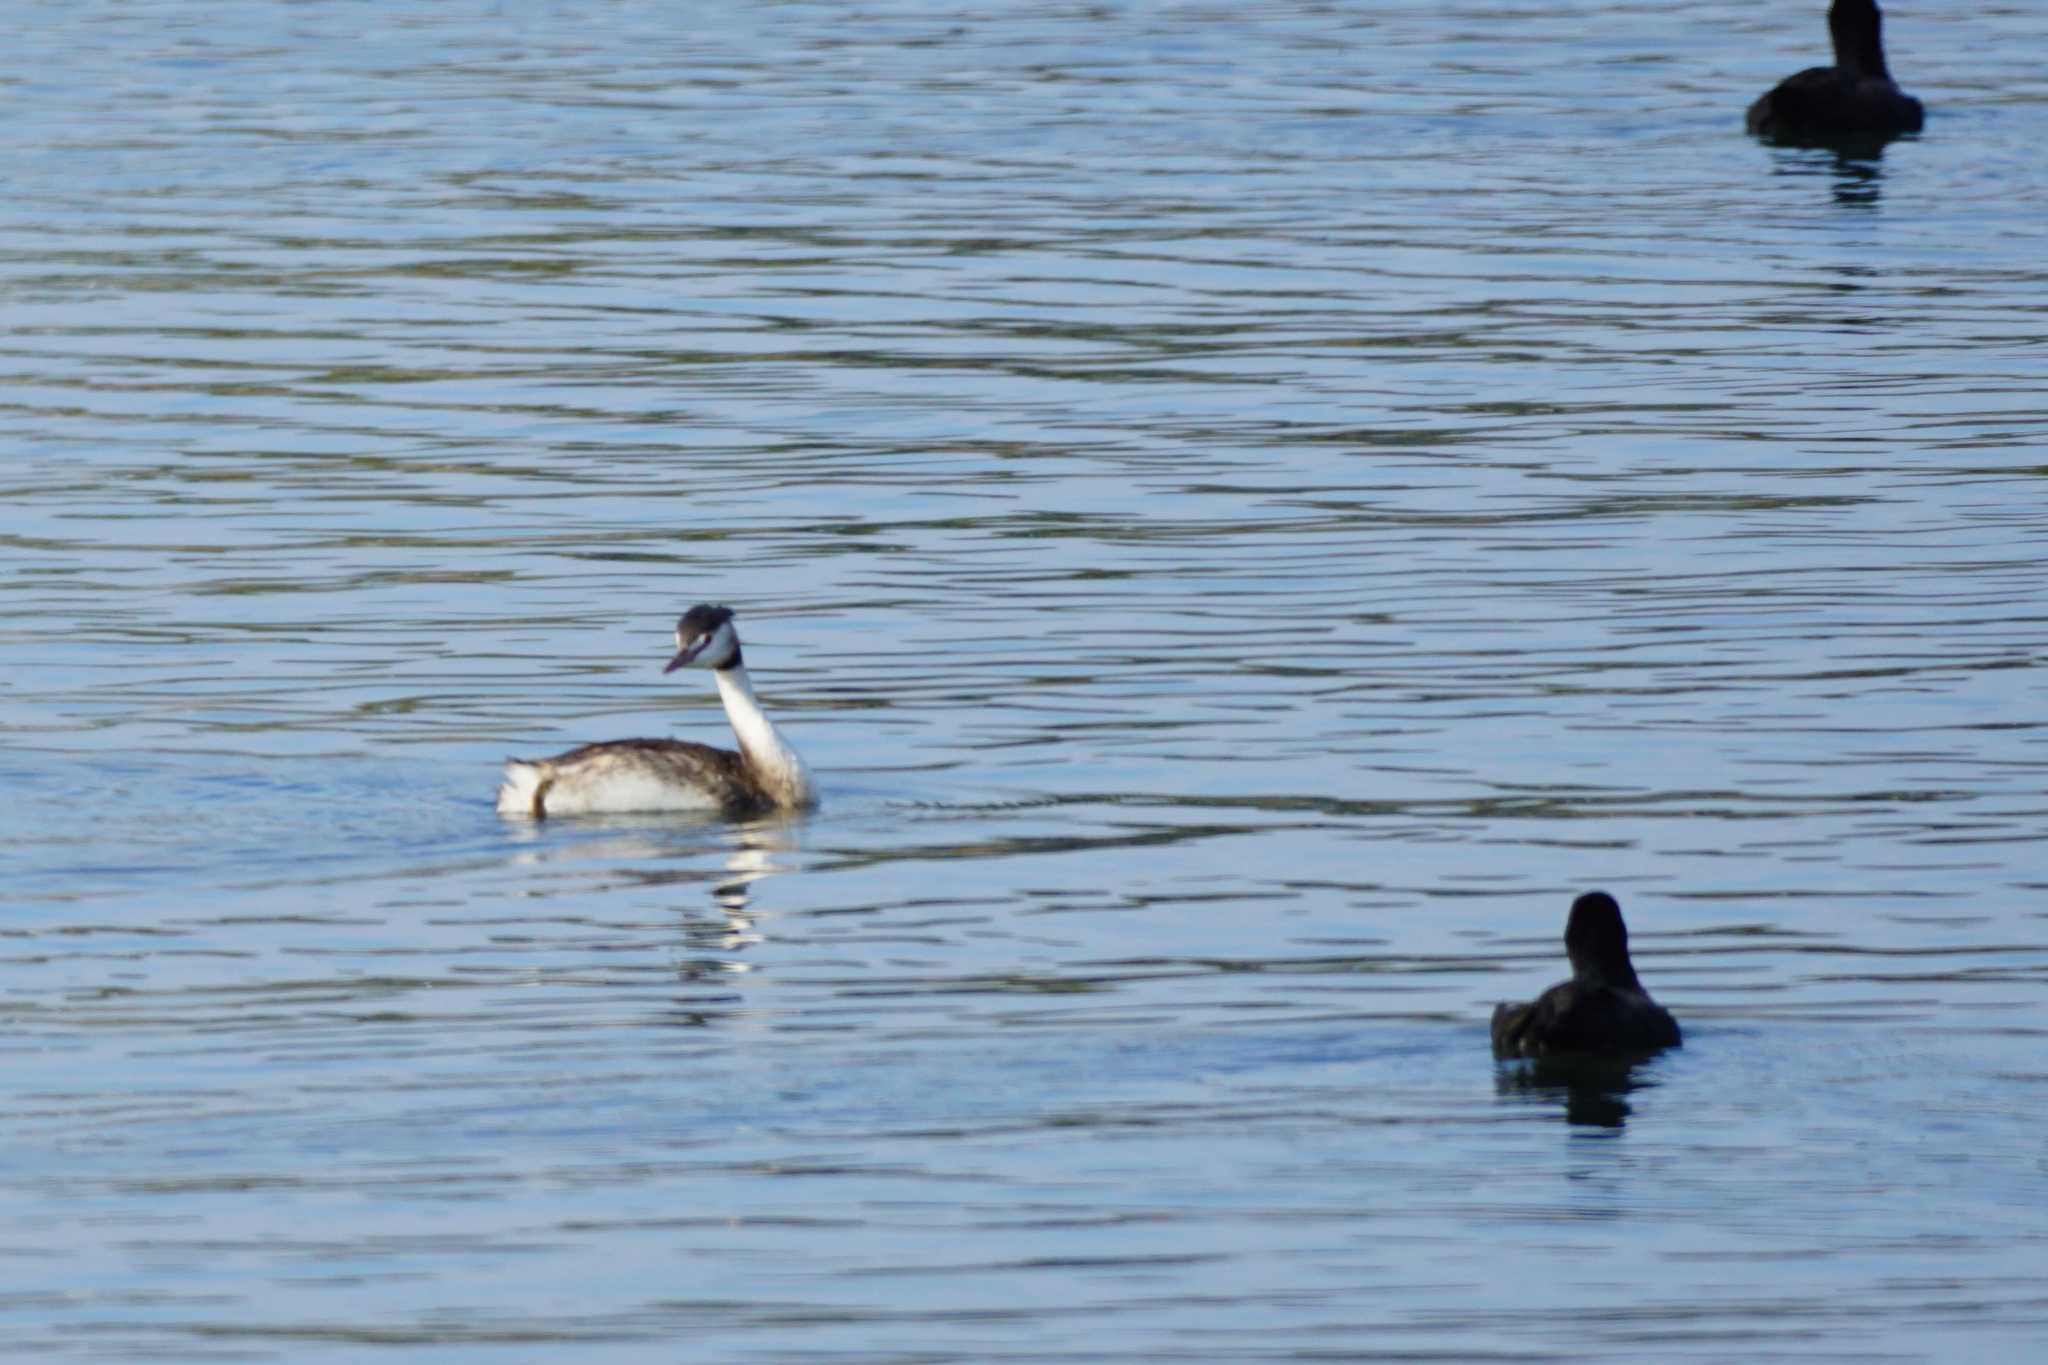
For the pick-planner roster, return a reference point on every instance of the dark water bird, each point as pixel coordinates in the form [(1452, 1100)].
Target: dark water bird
[(1602, 1009), (1856, 97), (673, 774)]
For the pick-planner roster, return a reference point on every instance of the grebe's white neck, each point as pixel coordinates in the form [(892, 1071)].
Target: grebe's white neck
[(774, 764)]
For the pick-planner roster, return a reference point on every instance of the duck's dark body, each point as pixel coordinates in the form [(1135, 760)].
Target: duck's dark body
[(1856, 97), (1824, 102), (1575, 1018), (1602, 1009)]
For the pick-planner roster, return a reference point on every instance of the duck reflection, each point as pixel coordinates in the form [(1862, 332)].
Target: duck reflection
[(1593, 1090), (1855, 171), (1859, 180)]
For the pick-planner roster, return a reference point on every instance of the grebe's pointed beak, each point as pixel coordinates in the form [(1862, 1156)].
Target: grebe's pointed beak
[(687, 654)]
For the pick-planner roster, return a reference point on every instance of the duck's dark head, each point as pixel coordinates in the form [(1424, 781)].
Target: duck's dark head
[(705, 639), (1858, 30), (1597, 942)]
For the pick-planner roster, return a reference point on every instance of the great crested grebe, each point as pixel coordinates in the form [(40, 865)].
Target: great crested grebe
[(1603, 1008), (674, 774), (1856, 96)]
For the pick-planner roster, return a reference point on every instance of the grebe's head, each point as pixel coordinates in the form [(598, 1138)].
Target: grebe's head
[(705, 639)]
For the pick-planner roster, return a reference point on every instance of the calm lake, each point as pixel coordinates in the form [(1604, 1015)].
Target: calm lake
[(1246, 509)]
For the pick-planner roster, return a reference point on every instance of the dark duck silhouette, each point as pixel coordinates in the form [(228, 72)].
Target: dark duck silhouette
[(1856, 97), (1603, 1009)]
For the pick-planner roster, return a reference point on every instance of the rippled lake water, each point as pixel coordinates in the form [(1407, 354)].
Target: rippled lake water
[(1247, 509)]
